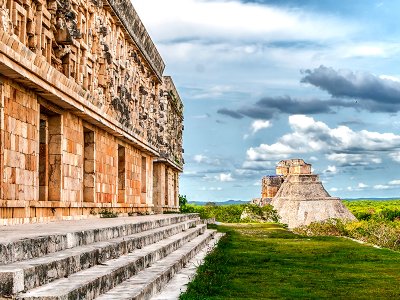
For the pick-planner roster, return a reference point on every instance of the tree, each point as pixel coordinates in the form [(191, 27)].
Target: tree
[(182, 200)]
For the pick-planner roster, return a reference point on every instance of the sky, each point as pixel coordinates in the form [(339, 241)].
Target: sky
[(267, 80)]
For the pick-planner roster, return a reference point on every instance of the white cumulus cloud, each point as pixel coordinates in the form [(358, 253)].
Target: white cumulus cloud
[(362, 185), (199, 158), (339, 144), (381, 187), (347, 159), (395, 156), (224, 177), (259, 125)]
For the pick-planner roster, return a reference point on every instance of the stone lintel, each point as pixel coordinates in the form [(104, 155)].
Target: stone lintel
[(169, 162)]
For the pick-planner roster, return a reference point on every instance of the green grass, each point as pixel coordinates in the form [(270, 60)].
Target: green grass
[(265, 261)]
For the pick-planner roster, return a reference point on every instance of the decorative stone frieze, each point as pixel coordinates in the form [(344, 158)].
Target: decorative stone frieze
[(83, 83)]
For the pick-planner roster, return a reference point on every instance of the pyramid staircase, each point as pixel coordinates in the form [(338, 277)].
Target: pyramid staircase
[(128, 258)]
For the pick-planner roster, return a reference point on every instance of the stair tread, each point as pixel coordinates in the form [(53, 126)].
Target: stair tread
[(178, 284), (55, 256), (10, 234), (23, 242), (65, 285), (131, 287)]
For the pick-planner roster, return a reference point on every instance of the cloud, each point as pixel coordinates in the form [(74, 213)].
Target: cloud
[(346, 159), (331, 170), (269, 107), (210, 188), (334, 189), (340, 143), (381, 187), (203, 159), (213, 92), (247, 21), (368, 91), (391, 185), (230, 113), (224, 177), (259, 125), (204, 116), (199, 158), (395, 156), (358, 90), (362, 185)]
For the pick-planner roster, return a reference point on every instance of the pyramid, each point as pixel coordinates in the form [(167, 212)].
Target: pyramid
[(301, 198)]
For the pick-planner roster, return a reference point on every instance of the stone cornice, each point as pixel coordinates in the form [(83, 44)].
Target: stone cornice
[(129, 18)]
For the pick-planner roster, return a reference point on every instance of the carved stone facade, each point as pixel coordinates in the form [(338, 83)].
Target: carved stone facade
[(87, 118)]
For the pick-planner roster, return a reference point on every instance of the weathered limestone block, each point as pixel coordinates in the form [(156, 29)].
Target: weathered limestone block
[(301, 198), (88, 81)]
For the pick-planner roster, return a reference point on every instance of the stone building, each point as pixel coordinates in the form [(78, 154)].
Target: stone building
[(299, 196), (88, 121)]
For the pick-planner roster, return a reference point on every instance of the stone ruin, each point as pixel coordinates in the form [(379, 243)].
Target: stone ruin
[(299, 196), (89, 122)]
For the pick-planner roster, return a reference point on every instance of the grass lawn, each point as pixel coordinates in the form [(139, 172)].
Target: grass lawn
[(265, 261)]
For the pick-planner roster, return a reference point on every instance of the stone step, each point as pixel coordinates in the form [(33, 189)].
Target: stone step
[(22, 242), (92, 282), (26, 275), (178, 284), (149, 281)]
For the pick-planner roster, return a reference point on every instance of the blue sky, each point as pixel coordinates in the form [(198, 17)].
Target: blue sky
[(263, 81)]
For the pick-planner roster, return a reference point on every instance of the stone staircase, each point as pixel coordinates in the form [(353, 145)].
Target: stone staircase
[(129, 258)]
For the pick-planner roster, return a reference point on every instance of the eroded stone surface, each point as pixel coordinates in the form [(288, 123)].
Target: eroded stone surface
[(299, 196), (86, 112)]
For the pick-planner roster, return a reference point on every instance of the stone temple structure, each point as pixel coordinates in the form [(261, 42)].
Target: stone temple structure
[(88, 121), (299, 196)]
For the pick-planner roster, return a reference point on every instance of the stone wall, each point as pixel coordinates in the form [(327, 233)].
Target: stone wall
[(85, 111), (270, 186), (19, 148), (166, 188)]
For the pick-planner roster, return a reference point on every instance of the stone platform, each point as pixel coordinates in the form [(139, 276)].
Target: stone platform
[(121, 258)]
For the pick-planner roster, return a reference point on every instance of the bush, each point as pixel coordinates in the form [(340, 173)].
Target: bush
[(255, 213), (107, 214), (372, 209), (381, 232), (389, 214), (231, 213)]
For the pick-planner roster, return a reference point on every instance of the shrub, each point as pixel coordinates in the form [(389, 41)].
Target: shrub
[(333, 227), (389, 214), (255, 213), (105, 213), (381, 232), (232, 213)]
